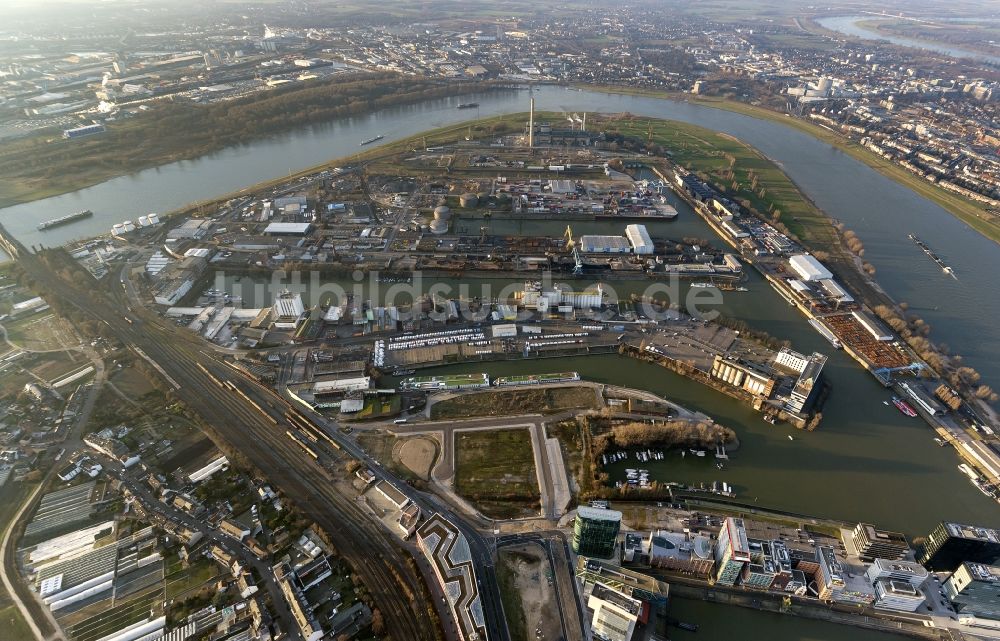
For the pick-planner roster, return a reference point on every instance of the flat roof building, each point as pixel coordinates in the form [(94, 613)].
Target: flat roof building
[(872, 543), (638, 237), (615, 613), (808, 268), (604, 245), (951, 544), (732, 551), (974, 589), (897, 595), (912, 573), (595, 532), (288, 229)]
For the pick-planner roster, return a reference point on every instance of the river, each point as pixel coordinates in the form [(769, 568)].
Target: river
[(865, 462), (850, 25), (882, 212)]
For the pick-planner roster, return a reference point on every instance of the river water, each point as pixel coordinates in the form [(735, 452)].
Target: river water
[(850, 26), (866, 461)]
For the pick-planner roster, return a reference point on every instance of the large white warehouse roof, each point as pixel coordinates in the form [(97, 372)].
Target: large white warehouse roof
[(639, 238), (808, 268)]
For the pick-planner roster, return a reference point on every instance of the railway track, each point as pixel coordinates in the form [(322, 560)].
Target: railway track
[(252, 419)]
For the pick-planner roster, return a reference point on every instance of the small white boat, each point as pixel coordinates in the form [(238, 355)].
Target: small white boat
[(790, 438)]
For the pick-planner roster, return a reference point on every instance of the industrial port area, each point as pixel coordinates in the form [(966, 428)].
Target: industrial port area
[(368, 365), (566, 367)]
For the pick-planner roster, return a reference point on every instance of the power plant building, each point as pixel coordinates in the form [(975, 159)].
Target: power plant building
[(595, 532)]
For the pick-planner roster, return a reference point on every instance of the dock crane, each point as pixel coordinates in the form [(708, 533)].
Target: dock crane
[(884, 374), (571, 245)]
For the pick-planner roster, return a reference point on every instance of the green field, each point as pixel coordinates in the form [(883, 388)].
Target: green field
[(514, 401), (45, 164), (190, 579), (969, 212), (14, 627), (378, 406), (496, 471)]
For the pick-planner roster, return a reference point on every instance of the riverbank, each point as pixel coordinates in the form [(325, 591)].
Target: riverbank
[(46, 165), (963, 209)]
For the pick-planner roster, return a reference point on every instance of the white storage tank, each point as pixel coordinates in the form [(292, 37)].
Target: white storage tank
[(129, 226), (153, 219), (143, 221), (118, 229)]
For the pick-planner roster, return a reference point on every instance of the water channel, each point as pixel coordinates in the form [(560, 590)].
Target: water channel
[(867, 461), (851, 26)]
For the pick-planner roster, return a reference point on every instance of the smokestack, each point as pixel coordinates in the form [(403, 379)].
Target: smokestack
[(583, 127), (531, 123)]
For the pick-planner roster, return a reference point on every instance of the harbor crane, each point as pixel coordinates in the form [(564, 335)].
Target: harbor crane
[(571, 245), (885, 373)]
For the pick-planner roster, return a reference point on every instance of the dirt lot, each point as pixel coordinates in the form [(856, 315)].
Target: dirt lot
[(417, 455), (132, 383), (531, 578), (514, 401), (496, 471)]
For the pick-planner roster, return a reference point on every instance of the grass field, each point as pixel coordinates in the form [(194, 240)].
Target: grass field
[(515, 401), (377, 406), (14, 627), (191, 578), (496, 471), (969, 212), (707, 152), (380, 446)]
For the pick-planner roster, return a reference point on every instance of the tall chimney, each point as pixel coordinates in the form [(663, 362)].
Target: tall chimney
[(531, 123), (583, 127)]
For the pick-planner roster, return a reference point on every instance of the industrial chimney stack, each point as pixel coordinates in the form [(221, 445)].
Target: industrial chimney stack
[(531, 123)]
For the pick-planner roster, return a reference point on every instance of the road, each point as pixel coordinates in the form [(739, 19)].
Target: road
[(570, 606), (38, 617), (238, 425), (480, 546), (160, 510), (444, 472)]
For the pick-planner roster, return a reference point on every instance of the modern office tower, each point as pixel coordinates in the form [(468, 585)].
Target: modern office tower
[(951, 544), (732, 552), (595, 532), (974, 590)]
